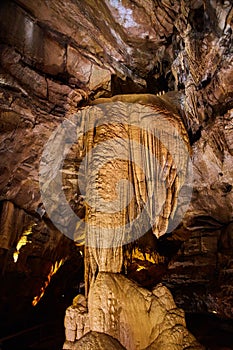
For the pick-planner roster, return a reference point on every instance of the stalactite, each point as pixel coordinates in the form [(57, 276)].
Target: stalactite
[(142, 140)]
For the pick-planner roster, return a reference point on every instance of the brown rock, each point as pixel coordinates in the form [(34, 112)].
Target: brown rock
[(78, 66), (53, 56)]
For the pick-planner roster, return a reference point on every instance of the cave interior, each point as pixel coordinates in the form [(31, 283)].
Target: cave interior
[(60, 57)]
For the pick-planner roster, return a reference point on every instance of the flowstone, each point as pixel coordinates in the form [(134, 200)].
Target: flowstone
[(137, 318)]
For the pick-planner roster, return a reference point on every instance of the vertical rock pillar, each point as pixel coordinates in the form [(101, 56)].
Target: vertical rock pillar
[(136, 162)]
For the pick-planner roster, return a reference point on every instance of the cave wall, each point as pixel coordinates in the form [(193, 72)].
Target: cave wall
[(207, 255)]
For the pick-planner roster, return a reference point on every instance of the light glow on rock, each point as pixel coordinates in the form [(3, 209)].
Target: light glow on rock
[(22, 242), (54, 268)]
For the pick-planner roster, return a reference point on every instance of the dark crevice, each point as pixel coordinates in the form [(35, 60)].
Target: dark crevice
[(154, 86), (127, 86), (205, 82), (195, 136), (197, 19), (222, 108)]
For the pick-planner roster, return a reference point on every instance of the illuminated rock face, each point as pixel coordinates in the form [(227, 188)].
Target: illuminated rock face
[(140, 140), (132, 156), (139, 319)]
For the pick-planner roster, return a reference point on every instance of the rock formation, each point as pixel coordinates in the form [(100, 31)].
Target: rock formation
[(58, 56), (95, 340), (138, 139), (157, 167), (139, 319)]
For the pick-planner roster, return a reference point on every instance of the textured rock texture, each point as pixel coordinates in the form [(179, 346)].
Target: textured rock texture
[(94, 341), (56, 56), (139, 319), (206, 255)]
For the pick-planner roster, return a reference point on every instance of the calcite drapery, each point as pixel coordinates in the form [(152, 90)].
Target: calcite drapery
[(133, 155), (136, 139)]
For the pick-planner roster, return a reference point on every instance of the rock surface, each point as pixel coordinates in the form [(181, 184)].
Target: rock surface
[(94, 341), (139, 319), (206, 256), (55, 57)]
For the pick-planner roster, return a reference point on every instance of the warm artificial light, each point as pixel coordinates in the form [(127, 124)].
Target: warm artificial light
[(22, 242), (54, 268)]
